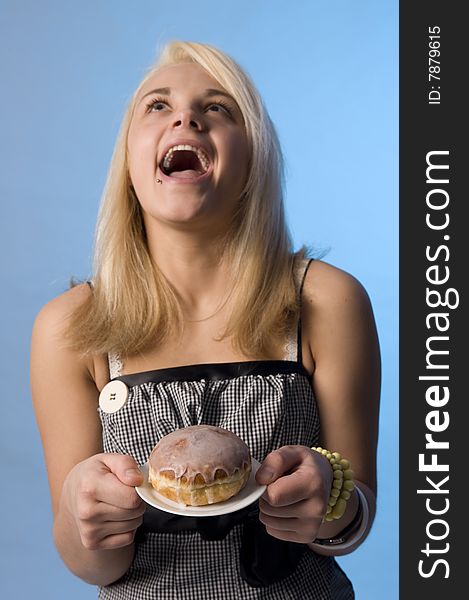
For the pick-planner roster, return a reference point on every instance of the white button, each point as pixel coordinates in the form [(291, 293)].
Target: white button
[(113, 396)]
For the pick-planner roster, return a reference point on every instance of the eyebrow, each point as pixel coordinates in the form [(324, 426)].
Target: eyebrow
[(209, 93)]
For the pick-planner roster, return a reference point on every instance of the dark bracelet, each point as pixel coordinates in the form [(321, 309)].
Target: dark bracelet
[(347, 532)]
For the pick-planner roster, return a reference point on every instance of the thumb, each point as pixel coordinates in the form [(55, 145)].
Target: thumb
[(278, 463), (123, 467)]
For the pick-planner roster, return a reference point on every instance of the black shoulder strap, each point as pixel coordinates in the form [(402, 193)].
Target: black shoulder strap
[(298, 337)]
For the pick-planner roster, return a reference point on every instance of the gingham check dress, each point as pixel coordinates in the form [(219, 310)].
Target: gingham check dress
[(268, 404)]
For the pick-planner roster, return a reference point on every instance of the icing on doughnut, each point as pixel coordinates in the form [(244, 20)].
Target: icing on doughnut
[(200, 465)]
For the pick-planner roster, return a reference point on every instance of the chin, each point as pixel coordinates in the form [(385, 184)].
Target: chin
[(175, 207)]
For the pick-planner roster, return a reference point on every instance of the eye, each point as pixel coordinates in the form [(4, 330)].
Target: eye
[(156, 105), (220, 106)]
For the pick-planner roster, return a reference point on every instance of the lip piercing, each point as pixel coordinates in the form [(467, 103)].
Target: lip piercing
[(159, 181)]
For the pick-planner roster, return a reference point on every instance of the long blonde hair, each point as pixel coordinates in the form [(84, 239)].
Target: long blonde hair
[(133, 306)]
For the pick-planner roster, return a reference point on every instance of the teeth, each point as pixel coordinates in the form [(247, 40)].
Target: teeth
[(200, 155)]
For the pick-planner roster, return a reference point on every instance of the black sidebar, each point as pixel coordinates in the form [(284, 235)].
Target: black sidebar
[(434, 357)]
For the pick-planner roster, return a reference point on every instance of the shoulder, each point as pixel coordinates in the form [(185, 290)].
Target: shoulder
[(54, 316), (327, 288), (336, 311), (49, 339)]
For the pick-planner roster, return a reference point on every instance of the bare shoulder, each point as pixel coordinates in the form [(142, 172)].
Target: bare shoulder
[(55, 314), (328, 288), (50, 325), (336, 311)]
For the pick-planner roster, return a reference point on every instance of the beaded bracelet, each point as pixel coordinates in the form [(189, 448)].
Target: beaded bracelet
[(342, 484), (347, 532), (353, 534)]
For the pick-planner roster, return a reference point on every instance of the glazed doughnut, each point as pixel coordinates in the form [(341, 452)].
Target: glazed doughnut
[(199, 465)]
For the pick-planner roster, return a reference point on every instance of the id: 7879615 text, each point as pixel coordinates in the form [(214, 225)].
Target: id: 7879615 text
[(434, 68)]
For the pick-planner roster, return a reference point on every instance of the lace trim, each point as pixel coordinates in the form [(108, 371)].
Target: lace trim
[(290, 351), (115, 365)]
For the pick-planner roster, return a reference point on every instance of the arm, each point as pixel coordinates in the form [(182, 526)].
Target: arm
[(344, 353), (95, 508), (347, 377)]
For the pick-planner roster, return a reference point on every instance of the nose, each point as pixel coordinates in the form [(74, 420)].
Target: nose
[(188, 118)]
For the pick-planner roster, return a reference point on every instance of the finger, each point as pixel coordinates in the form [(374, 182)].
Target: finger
[(280, 462), (106, 488), (307, 529), (280, 524), (288, 536), (290, 489), (115, 493), (108, 541), (115, 527), (93, 534), (116, 541), (124, 468), (101, 511), (114, 513), (301, 510)]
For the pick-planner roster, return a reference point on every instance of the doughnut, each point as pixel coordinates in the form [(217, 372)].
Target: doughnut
[(199, 465)]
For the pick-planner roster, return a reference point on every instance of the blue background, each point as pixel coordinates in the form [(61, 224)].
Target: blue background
[(328, 74)]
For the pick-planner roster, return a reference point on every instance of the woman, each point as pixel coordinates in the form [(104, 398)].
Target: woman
[(199, 305)]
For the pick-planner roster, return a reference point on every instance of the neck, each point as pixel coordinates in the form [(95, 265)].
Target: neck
[(193, 263)]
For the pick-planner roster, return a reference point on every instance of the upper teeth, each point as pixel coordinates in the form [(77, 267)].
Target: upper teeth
[(200, 155)]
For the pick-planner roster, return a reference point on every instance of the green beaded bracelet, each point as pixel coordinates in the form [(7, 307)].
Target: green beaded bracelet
[(342, 484)]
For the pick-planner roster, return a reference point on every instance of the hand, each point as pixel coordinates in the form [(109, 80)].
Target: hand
[(100, 497), (298, 485)]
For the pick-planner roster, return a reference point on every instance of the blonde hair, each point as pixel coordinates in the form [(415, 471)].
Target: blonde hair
[(133, 306)]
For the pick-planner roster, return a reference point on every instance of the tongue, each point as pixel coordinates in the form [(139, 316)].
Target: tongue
[(187, 174)]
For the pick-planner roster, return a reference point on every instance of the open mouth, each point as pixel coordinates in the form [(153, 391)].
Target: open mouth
[(184, 162)]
